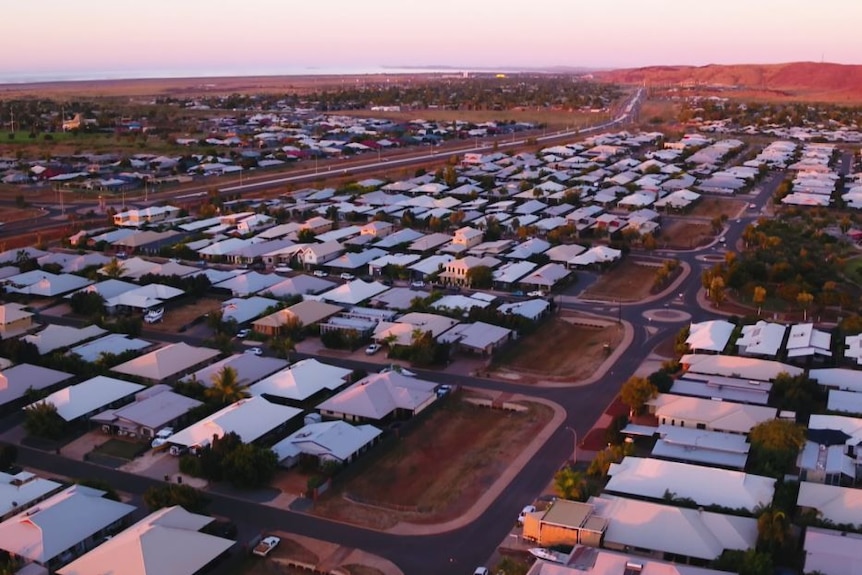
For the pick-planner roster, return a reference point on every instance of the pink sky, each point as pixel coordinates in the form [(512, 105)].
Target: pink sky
[(272, 36)]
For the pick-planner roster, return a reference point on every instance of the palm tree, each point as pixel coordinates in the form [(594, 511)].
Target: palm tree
[(773, 529), (226, 388), (114, 269)]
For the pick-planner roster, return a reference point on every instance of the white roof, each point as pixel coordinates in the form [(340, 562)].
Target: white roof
[(249, 283), (57, 336), (513, 271), (328, 440), (717, 415), (432, 264), (761, 338), (832, 552), (564, 252), (838, 377), (249, 368), (76, 400), (302, 380), (354, 292), (593, 561), (300, 285), (19, 490), (852, 426), (844, 401), (478, 335), (12, 312), (804, 340), (530, 309), (16, 380), (702, 446), (597, 254), (840, 505), (652, 478), (548, 275), (59, 523), (403, 328), (249, 418), (458, 301), (828, 459), (678, 530), (710, 335), (42, 283), (246, 309), (166, 542), (720, 387), (735, 366), (379, 394), (115, 343), (156, 410), (167, 361)]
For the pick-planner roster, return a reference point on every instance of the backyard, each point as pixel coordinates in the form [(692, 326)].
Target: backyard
[(578, 349), (627, 281), (437, 471)]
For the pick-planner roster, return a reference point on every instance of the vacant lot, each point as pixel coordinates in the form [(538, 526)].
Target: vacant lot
[(628, 281), (8, 214), (710, 207), (437, 471), (682, 235), (175, 318), (561, 348)]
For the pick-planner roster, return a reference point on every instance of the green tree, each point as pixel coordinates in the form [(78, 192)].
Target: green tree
[(750, 562), (42, 420), (611, 454), (480, 277), (249, 466), (87, 303), (716, 290), (282, 346), (512, 565), (114, 269), (571, 484), (172, 494), (773, 530), (804, 300), (636, 392), (774, 446), (305, 236), (758, 297), (110, 492), (226, 388)]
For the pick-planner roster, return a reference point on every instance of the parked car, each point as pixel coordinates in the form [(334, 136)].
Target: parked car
[(518, 293), (266, 545), (372, 349), (443, 390), (162, 437), (347, 276), (537, 293), (243, 333), (254, 351), (481, 571), (527, 509), (418, 284), (320, 274)]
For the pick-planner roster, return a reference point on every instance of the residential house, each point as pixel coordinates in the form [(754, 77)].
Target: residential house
[(14, 319), (456, 271), (761, 339), (698, 413), (303, 381), (167, 363), (709, 336), (832, 552), (22, 491), (90, 397), (327, 441), (318, 254), (566, 523), (302, 314), (154, 408), (380, 397), (479, 337), (15, 382)]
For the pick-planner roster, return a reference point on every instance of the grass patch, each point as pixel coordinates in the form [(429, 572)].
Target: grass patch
[(710, 207), (683, 234), (563, 348), (121, 449), (627, 281), (439, 469)]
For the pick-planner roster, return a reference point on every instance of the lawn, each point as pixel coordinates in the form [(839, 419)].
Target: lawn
[(627, 281), (439, 469), (683, 234), (561, 348), (710, 207), (121, 449)]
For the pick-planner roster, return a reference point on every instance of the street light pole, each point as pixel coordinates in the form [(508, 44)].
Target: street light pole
[(575, 448)]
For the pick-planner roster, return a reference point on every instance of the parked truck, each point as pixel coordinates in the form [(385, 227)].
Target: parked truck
[(266, 545)]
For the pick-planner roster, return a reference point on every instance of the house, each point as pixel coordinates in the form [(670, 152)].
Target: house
[(113, 343), (832, 450), (249, 369), (90, 397), (304, 313), (479, 337), (44, 284), (152, 214), (327, 441), (735, 366), (319, 254), (532, 309), (566, 523), (653, 479), (301, 381), (22, 491), (167, 363), (805, 341), (154, 408), (838, 505), (14, 319), (698, 413), (249, 283), (591, 561), (60, 336), (709, 336), (720, 388), (763, 338), (508, 274), (546, 277), (251, 419), (380, 397), (242, 310), (166, 542), (15, 381), (401, 332), (685, 534), (300, 285), (596, 256), (457, 271), (713, 448), (832, 552), (378, 229), (63, 527), (354, 292)]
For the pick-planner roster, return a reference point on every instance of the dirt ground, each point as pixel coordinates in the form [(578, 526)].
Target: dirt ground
[(628, 281), (683, 235), (8, 214), (475, 443), (175, 318), (578, 349), (710, 207)]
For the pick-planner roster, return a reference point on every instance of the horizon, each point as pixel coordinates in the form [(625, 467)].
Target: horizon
[(96, 40)]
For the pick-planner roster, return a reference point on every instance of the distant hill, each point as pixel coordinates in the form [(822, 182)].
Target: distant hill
[(809, 80)]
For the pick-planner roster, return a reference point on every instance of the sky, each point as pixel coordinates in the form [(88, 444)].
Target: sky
[(115, 38)]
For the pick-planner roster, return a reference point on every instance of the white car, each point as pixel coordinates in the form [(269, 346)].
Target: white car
[(346, 276), (254, 351), (481, 571), (266, 545), (526, 510), (372, 349), (537, 293), (418, 284), (319, 274), (162, 437), (243, 333)]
